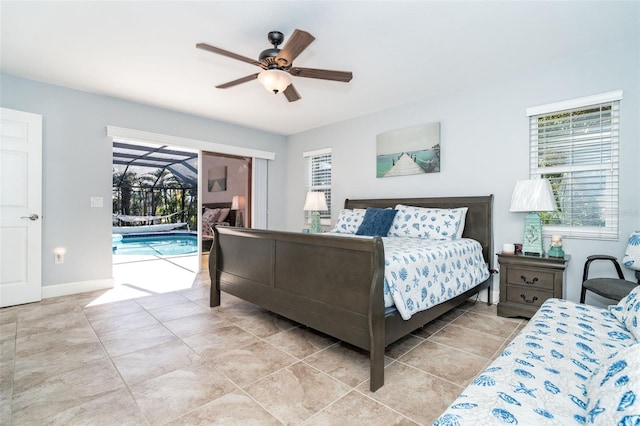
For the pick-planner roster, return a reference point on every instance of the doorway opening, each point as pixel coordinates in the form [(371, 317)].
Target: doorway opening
[(154, 216), (226, 195)]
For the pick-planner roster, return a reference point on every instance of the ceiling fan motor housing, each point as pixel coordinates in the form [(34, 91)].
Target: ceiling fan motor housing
[(268, 56)]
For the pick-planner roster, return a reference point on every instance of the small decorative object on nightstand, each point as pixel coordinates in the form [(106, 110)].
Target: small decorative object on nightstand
[(527, 281), (556, 246)]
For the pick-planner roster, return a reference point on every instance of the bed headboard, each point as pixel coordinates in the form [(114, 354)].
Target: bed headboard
[(478, 224), (231, 218)]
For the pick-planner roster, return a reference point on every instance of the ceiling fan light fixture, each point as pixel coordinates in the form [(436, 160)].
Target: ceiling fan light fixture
[(274, 80)]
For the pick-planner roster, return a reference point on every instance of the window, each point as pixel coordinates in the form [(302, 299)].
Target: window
[(574, 144), (318, 179)]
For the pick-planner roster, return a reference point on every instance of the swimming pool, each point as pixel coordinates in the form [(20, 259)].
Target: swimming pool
[(168, 244)]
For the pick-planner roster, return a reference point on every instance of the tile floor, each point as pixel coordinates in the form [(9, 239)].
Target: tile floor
[(168, 358)]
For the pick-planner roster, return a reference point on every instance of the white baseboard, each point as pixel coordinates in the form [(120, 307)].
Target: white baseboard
[(76, 287)]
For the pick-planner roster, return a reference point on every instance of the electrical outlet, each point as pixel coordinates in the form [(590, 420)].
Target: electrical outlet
[(96, 201)]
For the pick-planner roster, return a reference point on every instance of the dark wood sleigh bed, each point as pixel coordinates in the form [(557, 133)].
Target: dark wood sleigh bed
[(331, 283)]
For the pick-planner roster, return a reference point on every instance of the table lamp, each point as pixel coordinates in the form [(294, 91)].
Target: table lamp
[(237, 203), (315, 203), (533, 196)]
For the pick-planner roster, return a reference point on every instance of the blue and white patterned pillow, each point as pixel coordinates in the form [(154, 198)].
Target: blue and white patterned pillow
[(614, 390), (627, 311), (349, 221), (631, 257), (430, 223)]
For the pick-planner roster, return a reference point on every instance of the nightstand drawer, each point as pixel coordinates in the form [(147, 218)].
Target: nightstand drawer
[(530, 277), (527, 296)]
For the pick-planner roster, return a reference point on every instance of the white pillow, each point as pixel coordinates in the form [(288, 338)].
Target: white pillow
[(349, 220), (614, 389), (627, 311), (210, 215), (631, 257), (430, 223)]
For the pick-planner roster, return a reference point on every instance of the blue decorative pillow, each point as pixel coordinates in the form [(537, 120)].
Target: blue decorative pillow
[(614, 389), (430, 223), (376, 222), (349, 221), (627, 311)]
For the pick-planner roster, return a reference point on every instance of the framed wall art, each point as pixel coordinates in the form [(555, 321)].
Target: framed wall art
[(410, 151)]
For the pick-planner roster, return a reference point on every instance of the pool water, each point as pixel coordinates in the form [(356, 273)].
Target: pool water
[(158, 245)]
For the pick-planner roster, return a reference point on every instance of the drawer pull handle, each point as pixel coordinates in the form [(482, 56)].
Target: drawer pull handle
[(529, 301), (523, 278)]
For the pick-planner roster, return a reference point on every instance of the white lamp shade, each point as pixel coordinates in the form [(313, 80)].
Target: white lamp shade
[(274, 80), (533, 195), (315, 201), (237, 203)]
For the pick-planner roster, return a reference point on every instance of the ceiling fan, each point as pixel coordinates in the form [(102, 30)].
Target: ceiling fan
[(277, 64)]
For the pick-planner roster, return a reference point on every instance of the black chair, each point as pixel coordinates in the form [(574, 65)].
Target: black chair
[(611, 288)]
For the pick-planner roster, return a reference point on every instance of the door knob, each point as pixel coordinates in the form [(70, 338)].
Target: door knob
[(32, 217)]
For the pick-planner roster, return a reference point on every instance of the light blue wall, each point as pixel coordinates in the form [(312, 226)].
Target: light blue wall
[(77, 160), (484, 146)]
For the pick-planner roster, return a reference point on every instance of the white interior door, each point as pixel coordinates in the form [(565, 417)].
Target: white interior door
[(20, 207)]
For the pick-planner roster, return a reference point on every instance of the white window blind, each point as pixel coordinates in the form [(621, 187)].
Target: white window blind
[(318, 179), (577, 150)]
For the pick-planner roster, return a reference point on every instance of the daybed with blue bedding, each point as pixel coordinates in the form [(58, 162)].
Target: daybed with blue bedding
[(572, 364), (369, 290)]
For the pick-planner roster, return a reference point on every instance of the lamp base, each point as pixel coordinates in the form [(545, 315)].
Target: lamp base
[(239, 219), (533, 235), (315, 223)]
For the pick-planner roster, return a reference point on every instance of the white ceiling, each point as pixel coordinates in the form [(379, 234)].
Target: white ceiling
[(399, 52)]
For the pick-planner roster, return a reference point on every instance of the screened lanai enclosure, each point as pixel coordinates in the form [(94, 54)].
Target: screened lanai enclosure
[(155, 187)]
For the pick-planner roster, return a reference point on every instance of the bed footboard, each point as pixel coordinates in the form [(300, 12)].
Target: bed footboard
[(329, 283)]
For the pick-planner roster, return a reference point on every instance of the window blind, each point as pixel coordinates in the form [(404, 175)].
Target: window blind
[(318, 178), (577, 150)]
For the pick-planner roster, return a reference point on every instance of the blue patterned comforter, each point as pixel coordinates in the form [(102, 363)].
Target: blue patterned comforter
[(571, 365), (421, 273)]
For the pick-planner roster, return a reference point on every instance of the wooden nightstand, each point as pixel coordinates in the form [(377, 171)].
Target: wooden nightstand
[(527, 281)]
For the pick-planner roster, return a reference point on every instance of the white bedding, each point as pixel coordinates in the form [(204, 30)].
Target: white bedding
[(421, 273)]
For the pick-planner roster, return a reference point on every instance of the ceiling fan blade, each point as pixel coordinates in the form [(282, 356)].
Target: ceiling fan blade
[(217, 50), (238, 81), (298, 41), (344, 76), (291, 93)]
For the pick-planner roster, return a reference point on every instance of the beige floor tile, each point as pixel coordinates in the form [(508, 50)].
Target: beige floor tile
[(297, 392), (490, 324), (429, 329), (263, 324), (125, 342), (8, 315), (197, 292), (106, 326), (178, 310), (173, 394), (446, 362), (195, 324), (251, 362), (420, 396), (34, 369), (468, 340), (57, 321), (402, 346), (160, 300), (357, 409), (64, 391), (112, 310), (155, 361), (218, 340), (111, 408), (344, 362), (235, 409), (8, 330), (47, 340), (7, 351), (300, 342), (6, 392)]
